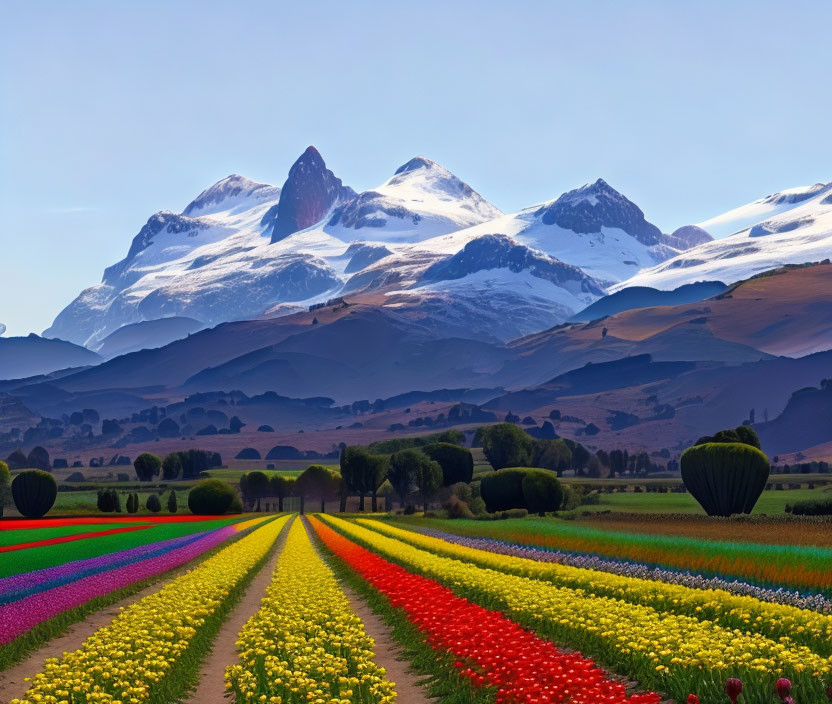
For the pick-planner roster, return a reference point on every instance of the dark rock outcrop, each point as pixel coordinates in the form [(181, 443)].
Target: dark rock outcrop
[(307, 196)]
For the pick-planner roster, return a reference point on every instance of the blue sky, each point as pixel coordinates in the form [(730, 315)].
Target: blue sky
[(110, 111)]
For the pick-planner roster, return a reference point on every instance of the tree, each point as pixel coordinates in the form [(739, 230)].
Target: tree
[(173, 506), (147, 466), (542, 492), (34, 492), (281, 487), (618, 462), (554, 455), (457, 462), (153, 504), (318, 482), (257, 486), (132, 503), (742, 434), (363, 472), (5, 486), (213, 497), (428, 479), (39, 459), (580, 456), (506, 445), (16, 460), (404, 471), (725, 478), (172, 466)]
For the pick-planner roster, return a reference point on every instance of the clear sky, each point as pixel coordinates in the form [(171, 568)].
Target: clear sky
[(111, 111)]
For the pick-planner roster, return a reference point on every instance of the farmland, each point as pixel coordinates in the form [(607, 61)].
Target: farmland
[(620, 608)]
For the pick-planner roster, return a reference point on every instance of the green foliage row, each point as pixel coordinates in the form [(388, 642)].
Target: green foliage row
[(811, 507), (536, 490), (388, 447)]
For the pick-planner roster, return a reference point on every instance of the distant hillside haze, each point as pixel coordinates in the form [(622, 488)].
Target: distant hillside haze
[(22, 357), (645, 297)]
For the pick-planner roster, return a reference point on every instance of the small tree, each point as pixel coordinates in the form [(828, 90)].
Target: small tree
[(172, 466), (428, 479), (363, 472), (147, 466), (317, 482), (506, 445), (542, 491), (5, 486), (406, 467), (173, 507), (281, 487), (257, 486), (554, 455), (457, 462), (153, 504)]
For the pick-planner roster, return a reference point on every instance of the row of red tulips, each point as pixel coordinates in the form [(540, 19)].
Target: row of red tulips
[(490, 649)]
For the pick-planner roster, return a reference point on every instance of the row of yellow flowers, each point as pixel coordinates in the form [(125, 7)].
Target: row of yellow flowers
[(674, 653), (809, 628), (135, 658), (305, 644)]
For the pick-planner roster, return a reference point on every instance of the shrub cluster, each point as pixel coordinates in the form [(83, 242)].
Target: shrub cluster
[(536, 490), (811, 507)]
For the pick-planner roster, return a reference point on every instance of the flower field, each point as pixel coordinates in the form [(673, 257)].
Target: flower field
[(305, 643), (664, 643), (484, 611)]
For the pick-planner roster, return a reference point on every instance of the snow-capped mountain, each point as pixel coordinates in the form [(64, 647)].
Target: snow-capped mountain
[(594, 228), (789, 227), (421, 200), (425, 238)]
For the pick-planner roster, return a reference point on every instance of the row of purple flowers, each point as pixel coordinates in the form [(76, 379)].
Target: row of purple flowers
[(24, 614), (814, 602)]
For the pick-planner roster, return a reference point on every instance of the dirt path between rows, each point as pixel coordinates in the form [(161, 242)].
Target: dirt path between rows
[(388, 654), (211, 685)]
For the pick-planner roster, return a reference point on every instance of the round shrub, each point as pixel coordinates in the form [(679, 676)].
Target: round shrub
[(153, 504), (34, 492), (457, 462), (503, 489), (212, 497), (725, 478), (542, 491)]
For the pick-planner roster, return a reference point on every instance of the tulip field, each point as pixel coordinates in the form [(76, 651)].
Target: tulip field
[(481, 611)]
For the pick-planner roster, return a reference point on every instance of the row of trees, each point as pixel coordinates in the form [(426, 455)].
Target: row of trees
[(420, 470), (109, 501), (507, 445), (177, 465)]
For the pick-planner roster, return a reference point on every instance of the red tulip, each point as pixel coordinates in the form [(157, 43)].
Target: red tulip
[(692, 699), (733, 687), (784, 687)]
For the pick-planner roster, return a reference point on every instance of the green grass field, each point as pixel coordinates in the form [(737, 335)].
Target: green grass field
[(771, 502)]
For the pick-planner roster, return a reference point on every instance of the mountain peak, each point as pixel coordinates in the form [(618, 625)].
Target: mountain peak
[(228, 192), (595, 205), (310, 192), (416, 163)]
